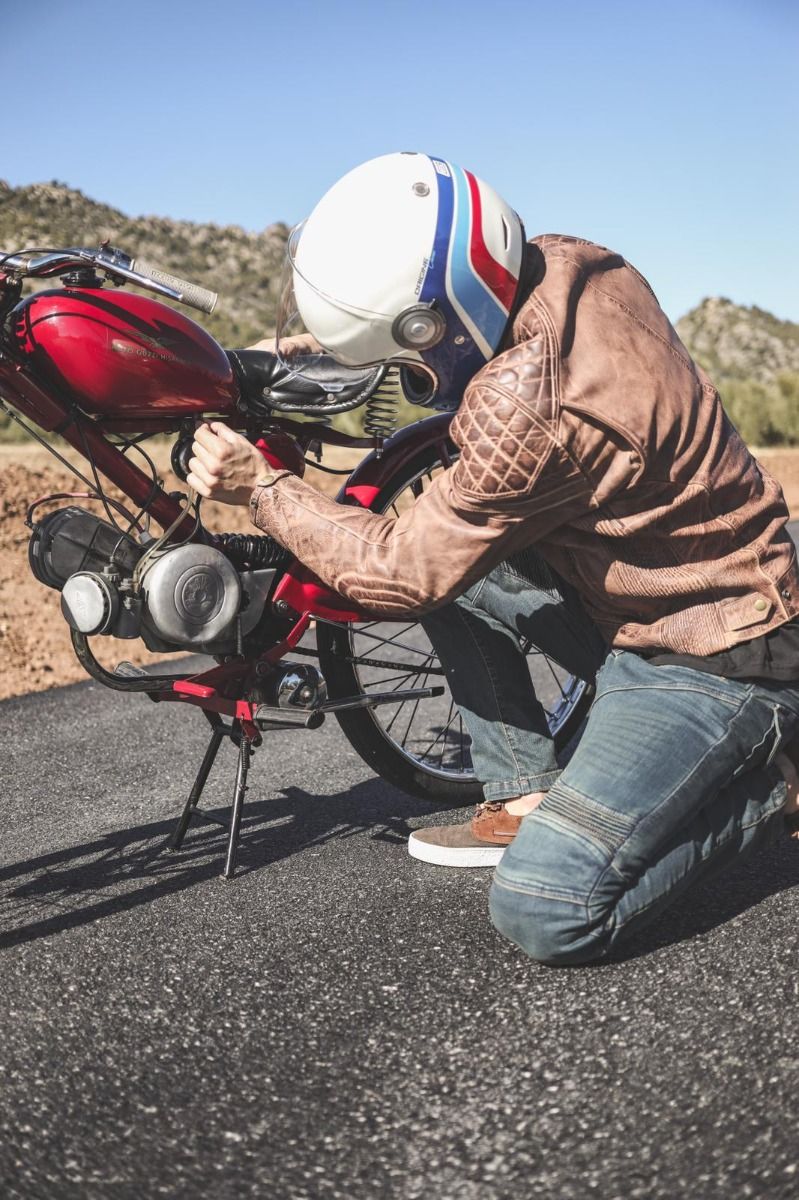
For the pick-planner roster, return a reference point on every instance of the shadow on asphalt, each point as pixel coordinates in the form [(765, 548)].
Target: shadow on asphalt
[(719, 900), (127, 868)]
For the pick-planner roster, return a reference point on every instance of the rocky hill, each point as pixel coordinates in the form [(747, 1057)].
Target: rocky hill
[(244, 268), (749, 353), (753, 358), (732, 342)]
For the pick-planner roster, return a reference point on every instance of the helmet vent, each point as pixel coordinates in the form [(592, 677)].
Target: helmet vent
[(505, 233)]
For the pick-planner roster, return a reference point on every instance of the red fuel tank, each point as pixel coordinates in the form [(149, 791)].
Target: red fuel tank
[(124, 354)]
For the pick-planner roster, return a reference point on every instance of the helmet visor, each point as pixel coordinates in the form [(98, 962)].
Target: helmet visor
[(356, 338)]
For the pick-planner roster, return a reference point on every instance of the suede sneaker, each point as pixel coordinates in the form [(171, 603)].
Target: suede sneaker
[(480, 842)]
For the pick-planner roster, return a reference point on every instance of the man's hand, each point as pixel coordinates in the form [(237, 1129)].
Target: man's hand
[(301, 343), (225, 466)]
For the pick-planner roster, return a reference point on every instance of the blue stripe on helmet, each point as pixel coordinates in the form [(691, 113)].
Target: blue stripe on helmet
[(453, 364), (435, 280), (475, 298)]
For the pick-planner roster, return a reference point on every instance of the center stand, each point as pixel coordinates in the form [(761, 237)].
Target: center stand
[(237, 735), (248, 719)]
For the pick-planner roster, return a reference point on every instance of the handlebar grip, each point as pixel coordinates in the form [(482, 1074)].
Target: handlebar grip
[(191, 293)]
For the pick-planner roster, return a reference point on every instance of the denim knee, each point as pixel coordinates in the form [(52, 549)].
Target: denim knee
[(555, 891), (553, 931)]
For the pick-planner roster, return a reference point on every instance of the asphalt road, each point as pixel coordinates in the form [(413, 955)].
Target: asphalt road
[(341, 1020)]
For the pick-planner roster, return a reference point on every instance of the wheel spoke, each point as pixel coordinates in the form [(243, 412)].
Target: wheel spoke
[(442, 732), (381, 683), (393, 642), (404, 702), (444, 744), (553, 673), (422, 683)]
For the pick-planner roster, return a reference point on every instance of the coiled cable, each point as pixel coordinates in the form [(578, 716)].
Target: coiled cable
[(251, 552)]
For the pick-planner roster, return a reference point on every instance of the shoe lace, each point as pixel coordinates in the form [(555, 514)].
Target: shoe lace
[(489, 806)]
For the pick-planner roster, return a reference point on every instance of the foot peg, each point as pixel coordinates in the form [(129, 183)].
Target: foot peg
[(268, 717), (127, 670)]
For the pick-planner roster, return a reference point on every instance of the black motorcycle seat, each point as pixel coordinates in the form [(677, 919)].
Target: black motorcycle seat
[(267, 381)]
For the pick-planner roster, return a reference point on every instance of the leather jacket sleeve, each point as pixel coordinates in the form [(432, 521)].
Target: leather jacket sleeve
[(513, 483), (595, 437)]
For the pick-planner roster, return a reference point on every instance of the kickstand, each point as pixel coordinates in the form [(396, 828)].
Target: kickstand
[(239, 738)]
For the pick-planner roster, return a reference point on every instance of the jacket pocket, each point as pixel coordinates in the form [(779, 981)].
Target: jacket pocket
[(742, 612)]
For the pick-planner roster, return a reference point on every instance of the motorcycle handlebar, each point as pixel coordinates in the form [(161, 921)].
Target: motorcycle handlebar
[(139, 271), (190, 293)]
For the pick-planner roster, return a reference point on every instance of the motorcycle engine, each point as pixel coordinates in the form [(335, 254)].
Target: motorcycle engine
[(188, 597)]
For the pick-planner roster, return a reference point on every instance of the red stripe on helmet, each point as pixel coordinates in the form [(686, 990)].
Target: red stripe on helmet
[(496, 277)]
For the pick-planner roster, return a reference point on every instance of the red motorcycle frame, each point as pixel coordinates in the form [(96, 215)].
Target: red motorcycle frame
[(89, 364), (226, 690)]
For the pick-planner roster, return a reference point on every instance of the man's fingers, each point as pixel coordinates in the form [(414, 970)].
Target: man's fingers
[(206, 436), (225, 434), (210, 459), (200, 488), (203, 471), (222, 466)]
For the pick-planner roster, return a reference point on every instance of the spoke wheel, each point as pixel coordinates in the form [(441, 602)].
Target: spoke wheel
[(421, 745)]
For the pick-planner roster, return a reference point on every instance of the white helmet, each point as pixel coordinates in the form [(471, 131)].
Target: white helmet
[(410, 259)]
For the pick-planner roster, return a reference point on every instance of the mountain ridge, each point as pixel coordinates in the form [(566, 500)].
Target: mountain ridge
[(243, 267), (751, 355)]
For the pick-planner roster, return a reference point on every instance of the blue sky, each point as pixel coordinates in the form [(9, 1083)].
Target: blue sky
[(667, 131)]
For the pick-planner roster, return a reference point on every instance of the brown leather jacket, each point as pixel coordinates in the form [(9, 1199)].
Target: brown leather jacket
[(596, 438)]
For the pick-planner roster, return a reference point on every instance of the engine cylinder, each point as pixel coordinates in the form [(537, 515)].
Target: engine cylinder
[(193, 595)]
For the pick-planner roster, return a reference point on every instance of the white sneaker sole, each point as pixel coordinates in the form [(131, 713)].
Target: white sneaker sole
[(453, 856)]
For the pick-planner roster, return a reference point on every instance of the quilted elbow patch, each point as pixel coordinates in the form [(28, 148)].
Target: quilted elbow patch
[(506, 424)]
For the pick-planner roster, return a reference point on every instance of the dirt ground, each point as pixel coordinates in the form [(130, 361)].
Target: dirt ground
[(35, 650)]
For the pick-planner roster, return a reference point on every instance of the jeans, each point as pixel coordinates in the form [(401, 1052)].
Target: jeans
[(672, 780)]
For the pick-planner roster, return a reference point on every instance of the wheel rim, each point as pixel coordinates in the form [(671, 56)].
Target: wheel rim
[(392, 656)]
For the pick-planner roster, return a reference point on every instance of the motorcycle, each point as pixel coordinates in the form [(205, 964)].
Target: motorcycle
[(105, 370)]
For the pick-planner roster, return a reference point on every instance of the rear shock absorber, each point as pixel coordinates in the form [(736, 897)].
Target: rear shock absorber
[(381, 410)]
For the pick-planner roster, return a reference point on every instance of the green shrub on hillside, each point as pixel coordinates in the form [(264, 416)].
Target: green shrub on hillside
[(765, 415)]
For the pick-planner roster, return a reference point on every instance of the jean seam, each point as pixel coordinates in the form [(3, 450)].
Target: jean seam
[(575, 833), (541, 893), (705, 862), (659, 687), (666, 799), (522, 785), (486, 663), (579, 832), (775, 725), (472, 600)]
